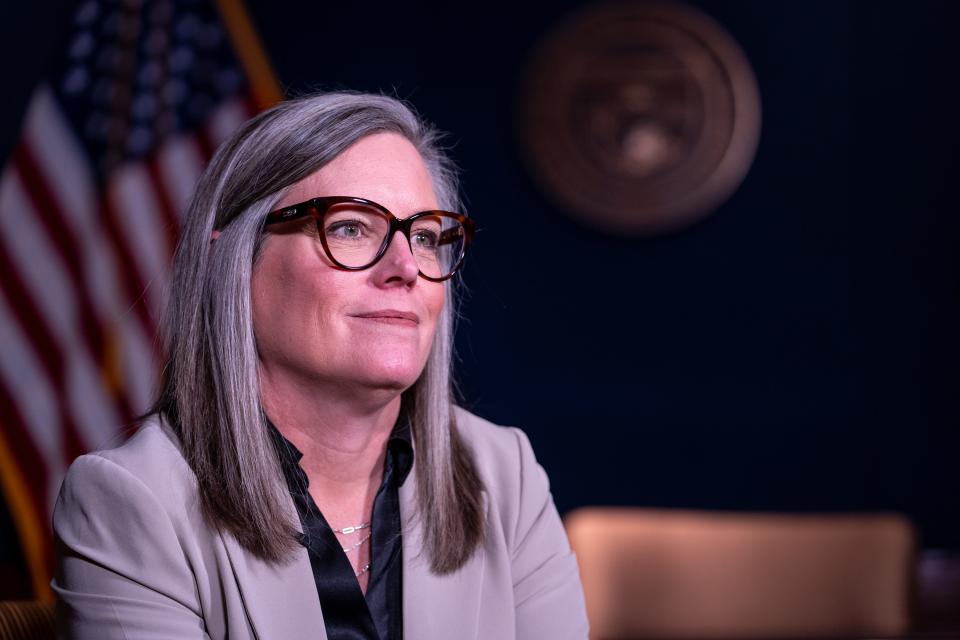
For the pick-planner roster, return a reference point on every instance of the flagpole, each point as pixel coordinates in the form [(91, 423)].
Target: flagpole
[(246, 44), (30, 526)]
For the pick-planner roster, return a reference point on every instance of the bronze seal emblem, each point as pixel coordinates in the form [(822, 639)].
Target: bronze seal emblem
[(639, 118)]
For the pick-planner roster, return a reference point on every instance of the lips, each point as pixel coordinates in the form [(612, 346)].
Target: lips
[(391, 316)]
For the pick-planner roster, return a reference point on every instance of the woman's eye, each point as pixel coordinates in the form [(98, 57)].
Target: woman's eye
[(425, 239), (345, 230)]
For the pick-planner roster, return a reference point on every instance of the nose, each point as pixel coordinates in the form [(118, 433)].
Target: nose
[(398, 264)]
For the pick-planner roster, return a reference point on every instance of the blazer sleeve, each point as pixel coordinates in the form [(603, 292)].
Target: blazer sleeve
[(122, 572), (546, 581)]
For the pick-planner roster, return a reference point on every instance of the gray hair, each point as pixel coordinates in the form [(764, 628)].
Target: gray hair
[(210, 387)]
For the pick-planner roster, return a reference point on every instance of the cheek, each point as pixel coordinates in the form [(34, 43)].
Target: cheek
[(269, 320), (284, 295), (433, 301)]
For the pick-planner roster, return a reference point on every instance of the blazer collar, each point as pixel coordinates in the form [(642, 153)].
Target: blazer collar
[(280, 600)]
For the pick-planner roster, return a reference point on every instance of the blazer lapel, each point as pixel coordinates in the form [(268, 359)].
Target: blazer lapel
[(436, 607), (281, 600)]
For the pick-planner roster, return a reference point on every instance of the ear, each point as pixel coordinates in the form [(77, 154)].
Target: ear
[(214, 235)]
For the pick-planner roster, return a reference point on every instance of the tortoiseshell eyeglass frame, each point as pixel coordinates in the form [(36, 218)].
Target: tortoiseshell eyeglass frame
[(317, 207)]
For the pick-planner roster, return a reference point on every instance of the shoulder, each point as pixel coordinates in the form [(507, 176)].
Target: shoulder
[(148, 466), (525, 526), (512, 477), (131, 544), (499, 451)]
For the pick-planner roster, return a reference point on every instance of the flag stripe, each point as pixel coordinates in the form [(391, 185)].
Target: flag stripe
[(46, 209), (29, 317), (67, 174), (140, 228), (181, 163), (42, 132), (132, 282), (46, 277), (61, 171), (162, 194), (43, 342), (206, 143), (37, 405), (137, 361), (225, 121), (43, 207), (22, 379)]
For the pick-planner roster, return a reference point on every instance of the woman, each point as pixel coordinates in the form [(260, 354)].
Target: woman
[(304, 473)]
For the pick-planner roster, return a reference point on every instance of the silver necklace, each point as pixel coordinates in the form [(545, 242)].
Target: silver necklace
[(353, 529), (358, 544)]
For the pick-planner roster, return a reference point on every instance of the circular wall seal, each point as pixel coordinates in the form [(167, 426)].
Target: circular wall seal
[(639, 118)]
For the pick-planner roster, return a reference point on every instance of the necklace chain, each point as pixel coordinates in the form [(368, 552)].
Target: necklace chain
[(358, 544), (353, 529)]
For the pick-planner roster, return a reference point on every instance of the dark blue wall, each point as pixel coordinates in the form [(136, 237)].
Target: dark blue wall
[(797, 350)]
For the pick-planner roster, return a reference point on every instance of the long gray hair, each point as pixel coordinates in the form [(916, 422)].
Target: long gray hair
[(210, 386)]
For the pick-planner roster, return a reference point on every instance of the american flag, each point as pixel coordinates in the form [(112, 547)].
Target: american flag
[(91, 200)]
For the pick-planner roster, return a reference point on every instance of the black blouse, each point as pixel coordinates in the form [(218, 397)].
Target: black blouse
[(346, 613)]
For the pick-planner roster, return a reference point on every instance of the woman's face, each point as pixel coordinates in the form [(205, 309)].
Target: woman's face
[(352, 329)]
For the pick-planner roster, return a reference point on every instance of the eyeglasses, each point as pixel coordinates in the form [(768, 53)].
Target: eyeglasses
[(356, 232)]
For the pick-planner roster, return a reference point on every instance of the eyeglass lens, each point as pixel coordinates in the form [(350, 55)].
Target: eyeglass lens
[(355, 232)]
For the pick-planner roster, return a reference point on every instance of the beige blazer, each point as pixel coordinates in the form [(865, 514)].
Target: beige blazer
[(137, 560)]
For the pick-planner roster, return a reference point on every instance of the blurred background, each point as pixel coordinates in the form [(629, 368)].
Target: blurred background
[(795, 349)]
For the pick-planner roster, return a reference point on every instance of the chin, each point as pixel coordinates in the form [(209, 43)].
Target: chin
[(397, 376)]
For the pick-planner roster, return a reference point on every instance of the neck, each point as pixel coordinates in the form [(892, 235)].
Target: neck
[(343, 440)]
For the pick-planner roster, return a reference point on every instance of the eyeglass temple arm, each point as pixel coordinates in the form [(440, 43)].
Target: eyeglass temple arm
[(287, 213), (450, 235)]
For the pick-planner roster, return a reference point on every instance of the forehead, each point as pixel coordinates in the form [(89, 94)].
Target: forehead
[(384, 167)]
